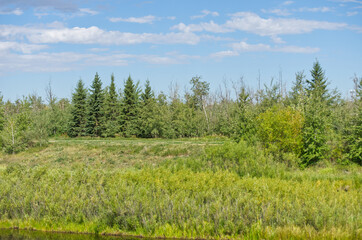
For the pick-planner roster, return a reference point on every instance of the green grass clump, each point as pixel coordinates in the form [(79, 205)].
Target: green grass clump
[(157, 202), (181, 188)]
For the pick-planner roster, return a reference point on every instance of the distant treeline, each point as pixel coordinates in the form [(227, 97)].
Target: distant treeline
[(309, 123)]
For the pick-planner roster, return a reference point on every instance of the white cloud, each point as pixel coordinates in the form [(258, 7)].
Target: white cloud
[(146, 19), (245, 47), (223, 54), (86, 11), (93, 35), (16, 12), (242, 47), (150, 19), (67, 61), (296, 49), (279, 12), (81, 12), (251, 22), (350, 14), (205, 13), (205, 26), (271, 27), (288, 2), (20, 47), (348, 1), (316, 9)]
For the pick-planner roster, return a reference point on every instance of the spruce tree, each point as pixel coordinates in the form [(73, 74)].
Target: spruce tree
[(354, 132), (148, 114), (95, 113), (2, 115), (148, 93), (317, 86), (316, 112), (128, 118), (297, 95), (77, 123), (111, 110)]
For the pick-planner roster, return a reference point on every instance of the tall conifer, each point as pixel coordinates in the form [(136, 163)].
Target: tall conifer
[(111, 110), (95, 113), (77, 123), (316, 112), (129, 108)]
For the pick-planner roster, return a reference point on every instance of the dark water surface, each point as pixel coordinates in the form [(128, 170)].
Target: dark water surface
[(6, 234)]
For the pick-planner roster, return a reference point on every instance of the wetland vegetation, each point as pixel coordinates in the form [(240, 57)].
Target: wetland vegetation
[(265, 165)]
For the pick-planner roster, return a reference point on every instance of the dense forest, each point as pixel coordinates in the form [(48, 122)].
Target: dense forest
[(308, 124)]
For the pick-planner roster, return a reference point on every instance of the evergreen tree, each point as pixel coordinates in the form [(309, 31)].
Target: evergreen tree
[(354, 132), (77, 123), (2, 114), (148, 114), (317, 86), (244, 128), (129, 114), (316, 112), (111, 111), (297, 95), (148, 93), (95, 113)]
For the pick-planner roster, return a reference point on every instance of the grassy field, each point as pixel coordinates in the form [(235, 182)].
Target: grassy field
[(194, 188)]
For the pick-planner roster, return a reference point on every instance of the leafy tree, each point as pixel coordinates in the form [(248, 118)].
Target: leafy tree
[(77, 123), (297, 95), (15, 136), (95, 111), (245, 128), (269, 96), (111, 111), (130, 106), (354, 132), (281, 127), (59, 117)]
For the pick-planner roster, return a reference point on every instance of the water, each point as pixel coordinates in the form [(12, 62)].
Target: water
[(6, 234)]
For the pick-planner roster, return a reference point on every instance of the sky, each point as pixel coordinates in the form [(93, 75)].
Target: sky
[(168, 42)]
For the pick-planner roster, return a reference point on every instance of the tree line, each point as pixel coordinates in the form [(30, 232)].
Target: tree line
[(308, 124)]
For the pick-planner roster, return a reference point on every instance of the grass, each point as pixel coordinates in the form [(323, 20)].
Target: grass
[(205, 188)]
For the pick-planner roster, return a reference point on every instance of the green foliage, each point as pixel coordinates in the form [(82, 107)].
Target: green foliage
[(298, 94), (353, 134), (78, 120), (95, 110), (245, 128), (158, 202), (2, 113), (58, 116), (317, 86), (316, 118), (148, 114), (281, 127), (111, 111), (200, 90), (148, 93), (130, 107)]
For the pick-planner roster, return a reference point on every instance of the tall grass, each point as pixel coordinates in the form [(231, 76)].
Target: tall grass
[(157, 202), (177, 189)]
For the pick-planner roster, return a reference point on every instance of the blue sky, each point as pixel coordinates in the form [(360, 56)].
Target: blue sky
[(169, 42)]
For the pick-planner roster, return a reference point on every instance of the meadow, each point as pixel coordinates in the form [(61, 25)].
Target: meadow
[(185, 188)]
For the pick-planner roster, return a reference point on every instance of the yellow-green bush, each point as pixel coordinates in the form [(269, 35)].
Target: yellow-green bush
[(281, 127)]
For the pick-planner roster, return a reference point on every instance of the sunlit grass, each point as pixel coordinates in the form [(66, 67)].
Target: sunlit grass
[(207, 188)]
